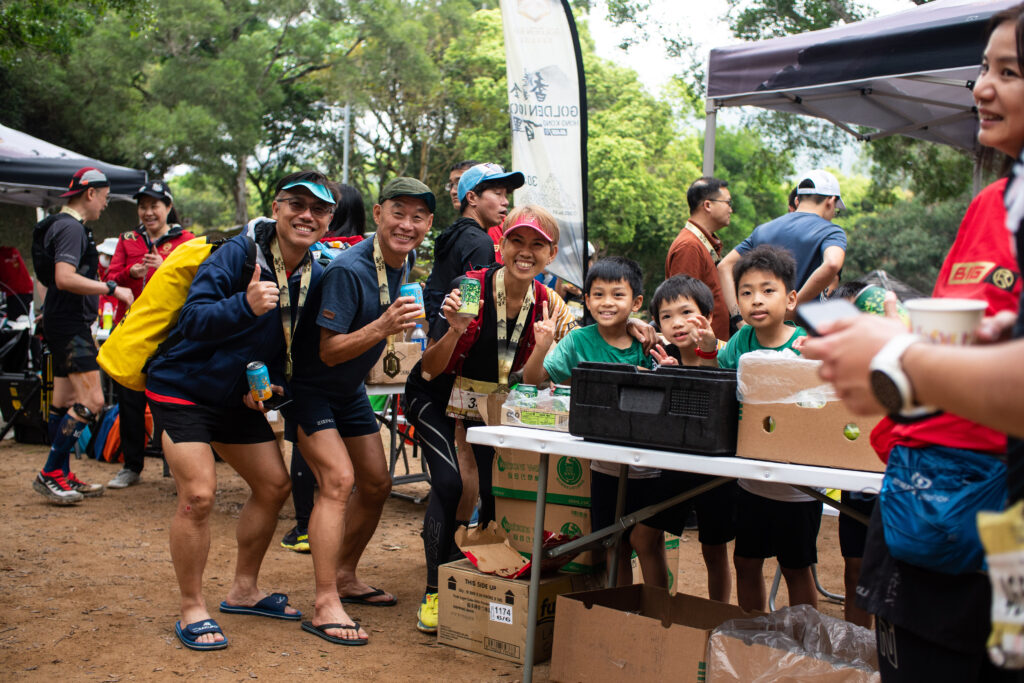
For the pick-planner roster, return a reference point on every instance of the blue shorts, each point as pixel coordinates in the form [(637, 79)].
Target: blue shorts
[(351, 415)]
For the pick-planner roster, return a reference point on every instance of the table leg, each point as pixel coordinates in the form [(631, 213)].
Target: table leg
[(536, 558), (620, 509)]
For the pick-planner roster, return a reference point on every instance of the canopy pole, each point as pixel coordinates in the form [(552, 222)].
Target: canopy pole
[(709, 139)]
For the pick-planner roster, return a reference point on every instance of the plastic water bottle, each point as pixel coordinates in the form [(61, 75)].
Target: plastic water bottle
[(418, 335), (108, 316)]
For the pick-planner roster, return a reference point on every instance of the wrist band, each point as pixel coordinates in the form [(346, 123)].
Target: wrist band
[(706, 355)]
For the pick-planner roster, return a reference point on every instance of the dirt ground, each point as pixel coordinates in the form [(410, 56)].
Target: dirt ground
[(89, 593)]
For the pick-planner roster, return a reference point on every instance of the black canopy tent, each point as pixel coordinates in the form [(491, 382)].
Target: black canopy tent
[(34, 172), (908, 73)]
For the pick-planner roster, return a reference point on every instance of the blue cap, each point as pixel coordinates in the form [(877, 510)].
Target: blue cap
[(483, 172), (318, 190)]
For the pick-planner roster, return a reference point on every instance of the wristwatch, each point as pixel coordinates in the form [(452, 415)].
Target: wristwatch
[(889, 383), (111, 286)]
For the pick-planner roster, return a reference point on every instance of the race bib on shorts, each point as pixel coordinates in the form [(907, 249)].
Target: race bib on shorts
[(467, 395)]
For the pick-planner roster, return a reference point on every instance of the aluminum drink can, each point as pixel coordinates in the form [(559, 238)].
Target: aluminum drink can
[(562, 390), (416, 292), (871, 299), (259, 381), (527, 389), (470, 289)]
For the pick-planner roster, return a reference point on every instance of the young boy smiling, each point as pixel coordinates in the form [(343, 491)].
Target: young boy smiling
[(612, 292), (771, 519)]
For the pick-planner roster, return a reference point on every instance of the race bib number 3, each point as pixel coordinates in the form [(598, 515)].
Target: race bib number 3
[(501, 613), (467, 395)]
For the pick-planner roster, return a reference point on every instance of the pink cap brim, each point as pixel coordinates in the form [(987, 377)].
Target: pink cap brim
[(528, 222)]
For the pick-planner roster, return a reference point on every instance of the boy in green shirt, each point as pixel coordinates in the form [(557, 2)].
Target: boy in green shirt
[(613, 290), (772, 520)]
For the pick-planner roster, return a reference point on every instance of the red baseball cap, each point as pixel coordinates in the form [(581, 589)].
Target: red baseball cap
[(85, 178)]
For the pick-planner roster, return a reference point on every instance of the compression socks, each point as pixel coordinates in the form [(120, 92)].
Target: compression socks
[(53, 421), (60, 450)]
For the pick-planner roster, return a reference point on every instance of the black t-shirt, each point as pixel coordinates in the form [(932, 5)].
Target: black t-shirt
[(481, 361), (70, 242)]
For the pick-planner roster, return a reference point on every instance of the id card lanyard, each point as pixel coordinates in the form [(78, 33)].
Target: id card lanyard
[(699, 234), (507, 350), (392, 364), (285, 299)]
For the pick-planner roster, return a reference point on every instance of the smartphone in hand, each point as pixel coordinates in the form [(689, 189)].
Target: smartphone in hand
[(276, 402), (813, 314)]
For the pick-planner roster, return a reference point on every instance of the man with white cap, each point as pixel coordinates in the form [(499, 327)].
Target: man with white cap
[(484, 193), (817, 244), (66, 261)]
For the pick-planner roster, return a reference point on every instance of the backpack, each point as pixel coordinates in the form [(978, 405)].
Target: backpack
[(42, 259), (148, 327)]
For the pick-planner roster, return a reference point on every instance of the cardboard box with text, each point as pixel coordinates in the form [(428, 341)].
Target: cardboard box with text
[(487, 614), (514, 475), (516, 517)]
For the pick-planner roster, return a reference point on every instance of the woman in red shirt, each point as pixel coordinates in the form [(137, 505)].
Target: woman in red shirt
[(139, 253)]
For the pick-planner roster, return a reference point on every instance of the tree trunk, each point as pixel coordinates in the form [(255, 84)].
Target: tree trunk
[(241, 192)]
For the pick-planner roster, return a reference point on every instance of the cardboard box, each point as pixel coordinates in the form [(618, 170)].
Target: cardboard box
[(514, 475), (494, 413), (516, 517), (731, 660), (634, 633), (810, 433), (487, 614), (408, 353), (671, 559)]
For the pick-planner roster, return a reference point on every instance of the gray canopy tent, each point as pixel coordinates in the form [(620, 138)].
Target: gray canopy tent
[(34, 172), (908, 73)]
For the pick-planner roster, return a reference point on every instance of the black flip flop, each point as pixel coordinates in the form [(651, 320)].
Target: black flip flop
[(364, 599), (320, 631)]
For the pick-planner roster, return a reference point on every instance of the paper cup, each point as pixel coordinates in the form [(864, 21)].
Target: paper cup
[(946, 321)]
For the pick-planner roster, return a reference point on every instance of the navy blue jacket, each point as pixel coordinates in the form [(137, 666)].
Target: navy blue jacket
[(221, 333)]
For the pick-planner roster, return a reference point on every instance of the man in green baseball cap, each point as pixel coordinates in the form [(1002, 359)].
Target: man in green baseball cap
[(358, 309)]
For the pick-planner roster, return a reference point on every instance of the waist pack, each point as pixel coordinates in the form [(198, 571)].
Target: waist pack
[(929, 500), (145, 331)]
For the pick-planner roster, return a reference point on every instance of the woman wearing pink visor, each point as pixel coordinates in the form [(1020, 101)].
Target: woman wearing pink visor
[(468, 358)]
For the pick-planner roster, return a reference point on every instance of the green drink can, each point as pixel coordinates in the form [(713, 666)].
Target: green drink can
[(562, 390), (527, 390), (871, 299), (470, 289)]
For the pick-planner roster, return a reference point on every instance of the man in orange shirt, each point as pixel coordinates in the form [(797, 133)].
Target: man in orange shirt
[(696, 251)]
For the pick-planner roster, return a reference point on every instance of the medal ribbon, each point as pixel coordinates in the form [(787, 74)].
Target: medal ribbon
[(382, 285), (699, 234), (284, 302), (507, 355)]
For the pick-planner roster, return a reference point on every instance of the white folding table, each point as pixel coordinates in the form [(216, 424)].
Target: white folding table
[(546, 443)]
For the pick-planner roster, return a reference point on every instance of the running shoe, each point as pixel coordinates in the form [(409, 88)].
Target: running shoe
[(87, 490), (55, 488), (124, 479), (426, 617), (297, 539)]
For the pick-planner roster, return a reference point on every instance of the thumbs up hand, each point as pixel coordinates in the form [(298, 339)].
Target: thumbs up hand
[(262, 296)]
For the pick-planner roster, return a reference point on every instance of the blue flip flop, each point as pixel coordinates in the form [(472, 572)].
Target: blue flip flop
[(190, 634), (272, 606)]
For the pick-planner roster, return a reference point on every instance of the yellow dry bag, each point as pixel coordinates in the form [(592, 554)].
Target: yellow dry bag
[(142, 332)]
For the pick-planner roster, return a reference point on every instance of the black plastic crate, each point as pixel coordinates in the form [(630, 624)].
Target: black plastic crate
[(691, 410)]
